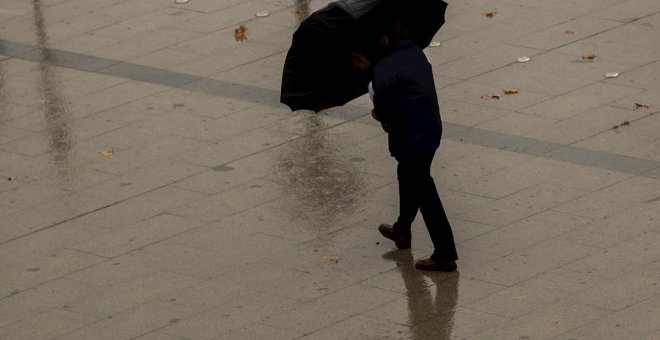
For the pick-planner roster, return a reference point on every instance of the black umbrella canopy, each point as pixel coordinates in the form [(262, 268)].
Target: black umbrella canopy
[(318, 71)]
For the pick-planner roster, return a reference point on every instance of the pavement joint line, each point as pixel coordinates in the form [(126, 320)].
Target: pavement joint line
[(266, 96)]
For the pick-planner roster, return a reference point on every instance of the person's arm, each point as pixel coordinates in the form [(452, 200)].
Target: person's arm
[(385, 97)]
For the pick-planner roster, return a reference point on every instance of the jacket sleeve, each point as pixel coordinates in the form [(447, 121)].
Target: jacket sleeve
[(385, 97)]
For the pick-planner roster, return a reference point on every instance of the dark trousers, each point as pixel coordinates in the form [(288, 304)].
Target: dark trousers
[(417, 191)]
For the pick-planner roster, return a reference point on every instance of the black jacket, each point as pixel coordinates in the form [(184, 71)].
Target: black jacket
[(405, 100)]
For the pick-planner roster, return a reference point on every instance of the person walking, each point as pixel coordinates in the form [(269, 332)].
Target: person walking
[(406, 105)]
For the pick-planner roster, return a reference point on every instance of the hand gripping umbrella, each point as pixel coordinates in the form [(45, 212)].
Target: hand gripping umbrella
[(319, 71)]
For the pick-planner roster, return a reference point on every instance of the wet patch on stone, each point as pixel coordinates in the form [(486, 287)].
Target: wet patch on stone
[(223, 168)]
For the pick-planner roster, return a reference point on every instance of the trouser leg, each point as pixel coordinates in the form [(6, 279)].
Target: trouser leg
[(417, 191)]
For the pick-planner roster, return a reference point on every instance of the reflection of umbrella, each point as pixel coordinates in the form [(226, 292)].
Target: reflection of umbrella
[(318, 71)]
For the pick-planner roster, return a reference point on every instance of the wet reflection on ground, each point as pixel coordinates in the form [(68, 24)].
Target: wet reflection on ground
[(431, 317), (4, 114), (322, 182), (57, 115)]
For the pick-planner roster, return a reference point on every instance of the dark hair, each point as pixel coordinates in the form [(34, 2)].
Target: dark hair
[(398, 30)]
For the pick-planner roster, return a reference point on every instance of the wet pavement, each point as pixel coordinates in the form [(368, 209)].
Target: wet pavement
[(152, 186)]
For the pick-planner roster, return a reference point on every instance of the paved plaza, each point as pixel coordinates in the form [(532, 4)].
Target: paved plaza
[(153, 187)]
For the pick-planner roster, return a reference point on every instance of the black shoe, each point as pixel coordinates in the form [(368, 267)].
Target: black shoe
[(400, 241), (433, 266)]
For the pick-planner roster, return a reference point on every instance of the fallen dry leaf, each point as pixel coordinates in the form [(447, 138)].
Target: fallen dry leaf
[(490, 14), (511, 90), (239, 33), (490, 96), (330, 258), (569, 32), (105, 153), (641, 106), (589, 56)]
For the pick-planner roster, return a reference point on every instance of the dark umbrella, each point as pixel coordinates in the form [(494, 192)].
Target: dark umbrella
[(319, 72)]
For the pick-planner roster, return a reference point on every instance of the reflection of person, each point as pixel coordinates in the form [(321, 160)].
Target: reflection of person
[(429, 318), (406, 104)]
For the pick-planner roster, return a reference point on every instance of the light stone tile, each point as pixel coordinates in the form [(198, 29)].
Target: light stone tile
[(137, 236), (458, 112), (31, 194), (144, 42), (583, 126), (624, 138), (47, 324), (589, 179), (333, 307), (111, 97), (132, 323), (579, 101), (636, 321), (485, 62), (361, 327), (516, 123), (517, 177), (533, 294), (112, 300), (146, 179), (229, 202), (547, 322), (53, 294), (140, 207), (471, 91), (597, 205), (610, 262), (554, 37), (48, 240), (541, 258), (232, 316), (466, 230), (119, 270), (37, 269), (213, 262), (619, 292), (260, 331), (525, 233), (159, 336), (236, 148), (463, 323)]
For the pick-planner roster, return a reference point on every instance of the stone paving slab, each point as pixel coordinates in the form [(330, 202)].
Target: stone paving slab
[(153, 187)]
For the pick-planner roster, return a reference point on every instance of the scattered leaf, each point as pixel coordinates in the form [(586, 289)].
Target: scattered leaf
[(262, 14), (511, 90), (611, 74), (178, 105), (589, 56), (180, 2), (239, 33), (490, 96), (434, 44), (569, 32), (523, 59), (640, 106), (490, 14), (105, 153), (330, 258)]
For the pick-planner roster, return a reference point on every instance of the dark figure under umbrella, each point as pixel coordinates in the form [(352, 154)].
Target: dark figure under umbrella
[(406, 104), (320, 68)]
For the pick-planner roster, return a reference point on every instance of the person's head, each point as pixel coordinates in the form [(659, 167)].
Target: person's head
[(396, 31)]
